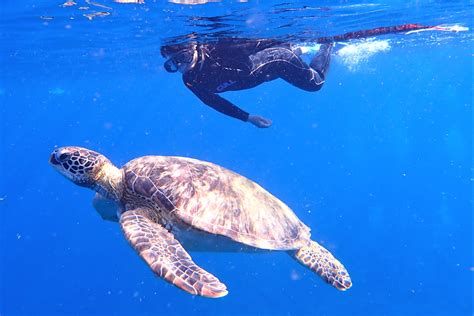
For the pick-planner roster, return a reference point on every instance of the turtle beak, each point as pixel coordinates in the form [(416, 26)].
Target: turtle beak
[(52, 159)]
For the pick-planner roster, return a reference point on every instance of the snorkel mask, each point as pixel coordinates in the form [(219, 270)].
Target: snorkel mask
[(170, 65), (182, 61)]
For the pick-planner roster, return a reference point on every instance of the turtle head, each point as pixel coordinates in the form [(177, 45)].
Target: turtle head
[(80, 165)]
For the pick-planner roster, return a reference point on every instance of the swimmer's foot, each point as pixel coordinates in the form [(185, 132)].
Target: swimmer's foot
[(321, 61)]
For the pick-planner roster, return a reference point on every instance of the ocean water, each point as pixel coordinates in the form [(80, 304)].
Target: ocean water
[(378, 163)]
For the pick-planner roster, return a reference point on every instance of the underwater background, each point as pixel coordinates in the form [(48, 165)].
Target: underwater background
[(378, 163)]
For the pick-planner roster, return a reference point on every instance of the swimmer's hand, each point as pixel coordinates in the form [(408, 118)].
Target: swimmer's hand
[(259, 121)]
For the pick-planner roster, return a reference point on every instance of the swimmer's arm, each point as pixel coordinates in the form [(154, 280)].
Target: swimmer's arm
[(218, 103)]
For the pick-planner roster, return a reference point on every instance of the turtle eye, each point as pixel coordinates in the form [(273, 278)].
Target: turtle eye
[(64, 156)]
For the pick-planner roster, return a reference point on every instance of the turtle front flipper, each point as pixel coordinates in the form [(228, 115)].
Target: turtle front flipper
[(166, 257), (107, 208), (321, 261)]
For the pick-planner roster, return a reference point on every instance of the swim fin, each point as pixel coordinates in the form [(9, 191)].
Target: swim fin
[(321, 61)]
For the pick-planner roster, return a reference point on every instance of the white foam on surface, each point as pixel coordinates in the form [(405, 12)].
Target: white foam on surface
[(353, 54)]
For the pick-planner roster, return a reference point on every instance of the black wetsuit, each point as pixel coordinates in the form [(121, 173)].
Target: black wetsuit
[(236, 64)]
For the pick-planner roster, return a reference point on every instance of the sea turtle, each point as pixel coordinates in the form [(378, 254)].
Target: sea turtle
[(164, 203)]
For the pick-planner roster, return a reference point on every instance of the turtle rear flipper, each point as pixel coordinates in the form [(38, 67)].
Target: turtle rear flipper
[(166, 257), (321, 261)]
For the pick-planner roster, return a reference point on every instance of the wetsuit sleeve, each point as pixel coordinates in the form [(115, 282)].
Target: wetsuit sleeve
[(218, 103)]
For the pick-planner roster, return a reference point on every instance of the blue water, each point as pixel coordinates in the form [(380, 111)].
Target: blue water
[(378, 163)]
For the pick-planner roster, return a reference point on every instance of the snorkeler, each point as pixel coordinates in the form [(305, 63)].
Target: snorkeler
[(232, 64), (238, 64)]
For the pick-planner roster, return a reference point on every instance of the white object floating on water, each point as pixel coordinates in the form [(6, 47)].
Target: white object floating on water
[(68, 4), (443, 28), (92, 15), (99, 5), (130, 1)]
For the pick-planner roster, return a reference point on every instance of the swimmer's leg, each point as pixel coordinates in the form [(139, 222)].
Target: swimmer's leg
[(285, 63)]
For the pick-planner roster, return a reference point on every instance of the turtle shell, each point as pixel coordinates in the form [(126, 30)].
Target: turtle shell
[(216, 200)]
